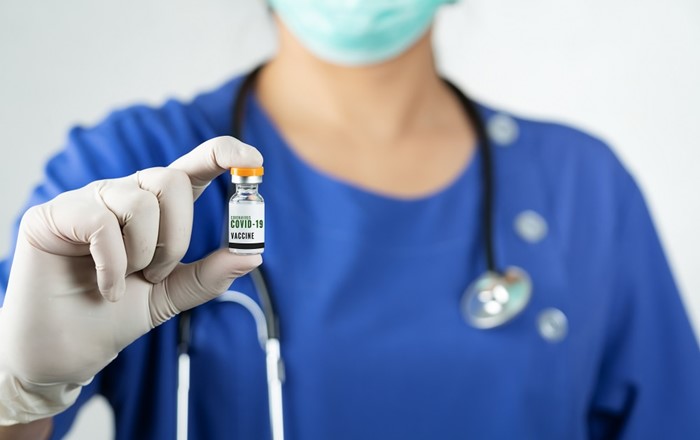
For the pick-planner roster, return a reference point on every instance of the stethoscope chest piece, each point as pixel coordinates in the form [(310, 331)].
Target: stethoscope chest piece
[(494, 298)]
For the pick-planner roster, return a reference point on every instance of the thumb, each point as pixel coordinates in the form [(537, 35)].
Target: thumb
[(190, 285)]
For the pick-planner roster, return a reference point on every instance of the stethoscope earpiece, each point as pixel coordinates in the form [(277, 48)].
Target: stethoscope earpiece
[(495, 298), (492, 300)]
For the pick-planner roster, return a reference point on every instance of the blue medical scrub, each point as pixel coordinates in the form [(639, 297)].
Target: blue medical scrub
[(368, 288)]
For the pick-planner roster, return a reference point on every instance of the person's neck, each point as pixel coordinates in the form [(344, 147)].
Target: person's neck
[(385, 100)]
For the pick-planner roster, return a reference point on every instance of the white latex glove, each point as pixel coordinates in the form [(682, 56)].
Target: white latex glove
[(96, 268)]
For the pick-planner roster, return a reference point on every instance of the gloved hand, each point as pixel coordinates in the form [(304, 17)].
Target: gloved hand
[(97, 267)]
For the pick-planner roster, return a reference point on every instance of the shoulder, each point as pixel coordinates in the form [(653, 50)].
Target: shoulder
[(572, 178), (554, 146), (141, 135), (568, 161)]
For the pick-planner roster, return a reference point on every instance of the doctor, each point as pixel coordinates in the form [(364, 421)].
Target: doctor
[(374, 191)]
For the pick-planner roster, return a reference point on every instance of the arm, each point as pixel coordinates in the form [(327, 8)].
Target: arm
[(37, 430), (649, 379), (109, 149)]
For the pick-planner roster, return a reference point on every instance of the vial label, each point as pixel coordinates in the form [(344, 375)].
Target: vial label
[(246, 229)]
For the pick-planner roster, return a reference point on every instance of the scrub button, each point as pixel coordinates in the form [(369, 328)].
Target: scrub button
[(502, 129), (552, 325), (531, 226)]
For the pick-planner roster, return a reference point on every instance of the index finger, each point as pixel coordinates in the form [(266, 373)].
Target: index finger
[(213, 157)]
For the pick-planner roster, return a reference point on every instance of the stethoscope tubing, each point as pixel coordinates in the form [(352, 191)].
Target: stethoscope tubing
[(265, 315), (274, 364)]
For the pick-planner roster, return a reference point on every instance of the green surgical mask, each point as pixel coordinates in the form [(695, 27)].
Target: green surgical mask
[(357, 32)]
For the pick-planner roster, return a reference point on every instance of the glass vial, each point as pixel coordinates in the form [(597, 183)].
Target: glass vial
[(246, 211)]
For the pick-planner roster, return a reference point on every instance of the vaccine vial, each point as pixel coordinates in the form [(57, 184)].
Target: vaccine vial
[(246, 211)]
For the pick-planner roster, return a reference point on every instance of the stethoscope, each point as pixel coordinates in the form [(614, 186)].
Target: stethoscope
[(492, 300)]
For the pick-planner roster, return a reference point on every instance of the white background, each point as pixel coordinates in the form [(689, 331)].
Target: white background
[(625, 70)]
